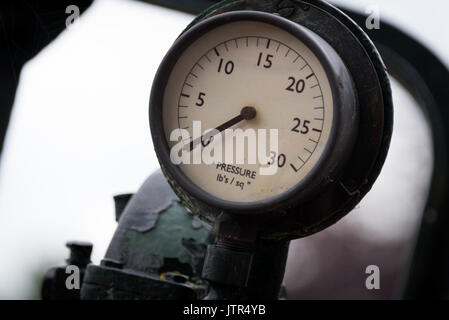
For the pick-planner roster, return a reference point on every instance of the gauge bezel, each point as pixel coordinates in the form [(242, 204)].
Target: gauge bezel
[(341, 137)]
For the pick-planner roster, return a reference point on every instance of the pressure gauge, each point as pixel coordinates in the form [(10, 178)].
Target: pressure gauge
[(261, 82), (252, 113)]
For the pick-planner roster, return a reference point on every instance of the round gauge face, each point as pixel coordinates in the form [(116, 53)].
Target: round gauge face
[(247, 110)]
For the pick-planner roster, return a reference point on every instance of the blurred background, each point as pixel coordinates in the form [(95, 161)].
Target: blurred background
[(79, 135)]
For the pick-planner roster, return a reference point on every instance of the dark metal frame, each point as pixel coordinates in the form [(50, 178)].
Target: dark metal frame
[(427, 78)]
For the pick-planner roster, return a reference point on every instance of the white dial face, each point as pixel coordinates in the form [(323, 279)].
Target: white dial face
[(280, 85)]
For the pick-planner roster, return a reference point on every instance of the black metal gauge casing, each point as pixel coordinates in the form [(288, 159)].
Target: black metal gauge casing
[(358, 139)]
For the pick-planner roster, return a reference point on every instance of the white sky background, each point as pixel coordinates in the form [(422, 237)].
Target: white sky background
[(79, 134)]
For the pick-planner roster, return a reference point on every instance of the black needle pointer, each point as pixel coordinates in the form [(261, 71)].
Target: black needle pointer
[(247, 113)]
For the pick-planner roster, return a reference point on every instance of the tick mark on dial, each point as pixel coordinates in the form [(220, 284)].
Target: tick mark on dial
[(316, 130), (216, 52), (185, 95), (310, 76), (268, 43)]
